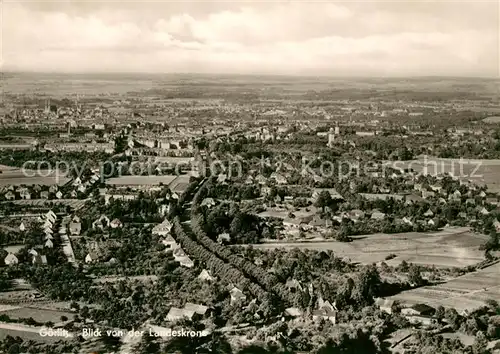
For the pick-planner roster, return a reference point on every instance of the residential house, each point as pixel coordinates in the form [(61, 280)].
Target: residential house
[(10, 195), (293, 285), (385, 305), (224, 238), (456, 195), (419, 314), (470, 201), (77, 181), (237, 296), (428, 194), (115, 223), (49, 243), (59, 195), (407, 220), (222, 178), (293, 312), (50, 215), (484, 211), (22, 227), (208, 202), (418, 310), (356, 214), (325, 311), (24, 193), (39, 259), (169, 243), (413, 198), (176, 314), (162, 229), (435, 188), (279, 178), (196, 308), (11, 259), (44, 195), (496, 224), (91, 257), (377, 215), (205, 275), (429, 213), (260, 179), (75, 226), (492, 201), (183, 259)]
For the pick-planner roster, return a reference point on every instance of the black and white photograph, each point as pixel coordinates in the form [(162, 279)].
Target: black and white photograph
[(250, 177)]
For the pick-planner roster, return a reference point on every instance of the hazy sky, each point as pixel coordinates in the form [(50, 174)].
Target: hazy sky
[(373, 38)]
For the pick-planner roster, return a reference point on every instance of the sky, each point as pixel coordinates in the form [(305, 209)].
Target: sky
[(355, 38)]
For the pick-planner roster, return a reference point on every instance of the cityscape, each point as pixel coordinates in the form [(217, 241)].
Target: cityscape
[(260, 209)]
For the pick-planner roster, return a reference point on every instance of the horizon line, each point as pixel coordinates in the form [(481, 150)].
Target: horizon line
[(330, 76)]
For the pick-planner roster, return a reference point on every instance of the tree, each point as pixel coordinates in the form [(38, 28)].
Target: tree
[(403, 266), (367, 286), (452, 317), (440, 313), (414, 275), (75, 306), (480, 343), (149, 344), (324, 200), (120, 144)]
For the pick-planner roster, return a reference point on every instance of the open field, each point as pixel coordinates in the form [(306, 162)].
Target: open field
[(176, 183), (140, 180), (17, 177), (25, 332), (492, 119), (453, 247), (39, 315), (480, 171), (466, 292)]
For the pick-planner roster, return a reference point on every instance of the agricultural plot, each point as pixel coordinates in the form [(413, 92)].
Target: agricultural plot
[(39, 315), (467, 292), (481, 171), (140, 180), (453, 247), (17, 177), (27, 333)]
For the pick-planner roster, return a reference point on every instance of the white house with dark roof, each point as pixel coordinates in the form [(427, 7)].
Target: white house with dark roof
[(205, 275), (116, 223), (237, 296), (162, 229), (11, 259)]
